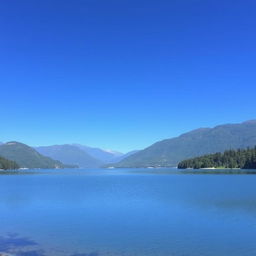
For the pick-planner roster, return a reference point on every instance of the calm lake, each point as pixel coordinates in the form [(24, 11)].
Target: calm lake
[(127, 212)]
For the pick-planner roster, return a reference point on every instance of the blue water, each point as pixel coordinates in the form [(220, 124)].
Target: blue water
[(127, 213)]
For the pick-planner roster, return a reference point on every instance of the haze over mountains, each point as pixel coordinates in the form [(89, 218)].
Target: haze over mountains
[(83, 156), (166, 153), (106, 156)]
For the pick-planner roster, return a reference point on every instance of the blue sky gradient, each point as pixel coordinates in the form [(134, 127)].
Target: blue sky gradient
[(124, 74)]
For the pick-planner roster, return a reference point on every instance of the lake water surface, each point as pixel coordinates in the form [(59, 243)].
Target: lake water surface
[(127, 213)]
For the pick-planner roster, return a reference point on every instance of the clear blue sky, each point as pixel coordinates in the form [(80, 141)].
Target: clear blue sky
[(124, 74)]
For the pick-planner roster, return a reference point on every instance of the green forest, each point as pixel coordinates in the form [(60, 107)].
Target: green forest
[(7, 164), (241, 158)]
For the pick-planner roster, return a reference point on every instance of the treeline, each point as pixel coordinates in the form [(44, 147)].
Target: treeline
[(6, 164), (241, 158)]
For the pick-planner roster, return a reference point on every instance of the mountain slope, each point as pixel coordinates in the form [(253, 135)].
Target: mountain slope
[(6, 164), (195, 143), (70, 154), (27, 157)]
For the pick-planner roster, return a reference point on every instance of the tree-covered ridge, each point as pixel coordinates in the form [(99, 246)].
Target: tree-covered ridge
[(241, 158), (6, 164), (196, 143)]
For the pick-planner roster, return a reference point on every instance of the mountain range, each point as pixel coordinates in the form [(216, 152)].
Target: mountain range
[(105, 156), (195, 143), (56, 156), (82, 156), (27, 157), (69, 154), (165, 153)]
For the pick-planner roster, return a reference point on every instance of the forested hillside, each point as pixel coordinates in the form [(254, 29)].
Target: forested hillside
[(195, 143), (6, 164), (244, 159)]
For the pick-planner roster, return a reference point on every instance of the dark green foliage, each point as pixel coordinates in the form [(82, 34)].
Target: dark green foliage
[(199, 142), (27, 157), (6, 164), (244, 159)]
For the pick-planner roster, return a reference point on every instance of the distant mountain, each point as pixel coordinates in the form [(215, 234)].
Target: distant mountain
[(70, 154), (105, 156), (6, 164), (199, 142), (120, 158), (27, 157)]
